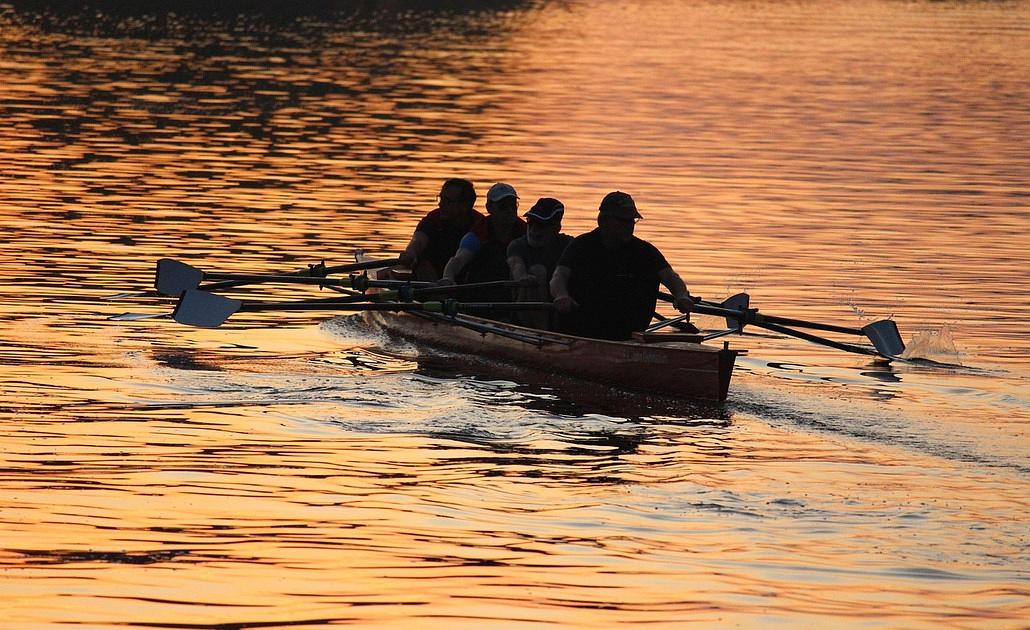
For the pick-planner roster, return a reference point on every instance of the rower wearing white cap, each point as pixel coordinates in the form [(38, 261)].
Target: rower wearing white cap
[(482, 254)]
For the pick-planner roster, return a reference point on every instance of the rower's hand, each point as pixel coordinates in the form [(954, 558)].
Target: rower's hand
[(684, 304), (565, 304), (527, 280), (406, 259), (446, 282)]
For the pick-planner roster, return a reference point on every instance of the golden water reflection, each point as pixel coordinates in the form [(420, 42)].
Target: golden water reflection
[(841, 163)]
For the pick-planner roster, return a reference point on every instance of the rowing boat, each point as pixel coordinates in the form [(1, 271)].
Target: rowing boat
[(667, 364), (672, 368)]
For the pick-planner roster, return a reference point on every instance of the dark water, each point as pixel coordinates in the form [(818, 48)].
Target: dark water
[(841, 162)]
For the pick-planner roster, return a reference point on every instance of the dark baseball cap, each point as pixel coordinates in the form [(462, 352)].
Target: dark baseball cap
[(546, 210), (619, 204)]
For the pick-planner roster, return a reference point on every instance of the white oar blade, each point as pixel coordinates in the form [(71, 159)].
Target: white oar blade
[(174, 277), (885, 337), (203, 309), (134, 317), (738, 302)]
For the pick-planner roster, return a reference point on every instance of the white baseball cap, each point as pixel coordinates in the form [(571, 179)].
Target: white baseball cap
[(499, 191)]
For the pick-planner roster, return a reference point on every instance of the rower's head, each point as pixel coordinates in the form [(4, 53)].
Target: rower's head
[(502, 202), (617, 217), (457, 197), (543, 221)]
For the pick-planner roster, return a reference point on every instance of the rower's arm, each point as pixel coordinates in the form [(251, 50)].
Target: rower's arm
[(417, 245), (678, 288), (560, 289), (456, 264), (560, 281), (516, 267)]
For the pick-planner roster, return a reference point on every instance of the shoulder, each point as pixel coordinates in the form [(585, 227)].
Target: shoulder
[(579, 247), (431, 219), (649, 252), (480, 227), (587, 238), (560, 244), (518, 246), (644, 246), (591, 240)]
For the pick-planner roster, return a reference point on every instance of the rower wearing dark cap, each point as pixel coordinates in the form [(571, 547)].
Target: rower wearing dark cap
[(606, 283), (532, 258)]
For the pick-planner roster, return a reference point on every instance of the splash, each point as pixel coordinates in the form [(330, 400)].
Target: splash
[(933, 344)]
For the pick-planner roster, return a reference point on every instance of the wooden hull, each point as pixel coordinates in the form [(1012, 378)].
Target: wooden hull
[(677, 369)]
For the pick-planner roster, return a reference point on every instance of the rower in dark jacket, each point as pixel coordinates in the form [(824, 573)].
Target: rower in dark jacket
[(606, 282), (439, 233)]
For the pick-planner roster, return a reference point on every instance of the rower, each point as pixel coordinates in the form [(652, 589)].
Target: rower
[(606, 282), (438, 234), (482, 254), (533, 257)]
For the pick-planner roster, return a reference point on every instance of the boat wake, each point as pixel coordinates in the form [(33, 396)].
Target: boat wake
[(945, 436)]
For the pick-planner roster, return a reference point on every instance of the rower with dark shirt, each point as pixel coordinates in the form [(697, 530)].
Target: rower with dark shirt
[(606, 282), (439, 233), (532, 259)]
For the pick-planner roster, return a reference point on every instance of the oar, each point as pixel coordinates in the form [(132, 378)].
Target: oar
[(208, 310), (173, 277), (418, 290), (173, 271), (883, 334), (538, 340), (135, 317), (758, 318)]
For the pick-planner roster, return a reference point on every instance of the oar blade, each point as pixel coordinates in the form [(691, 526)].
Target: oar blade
[(885, 337), (738, 302), (204, 310), (174, 277)]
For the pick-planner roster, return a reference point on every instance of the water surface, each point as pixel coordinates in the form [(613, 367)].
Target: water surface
[(841, 162)]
